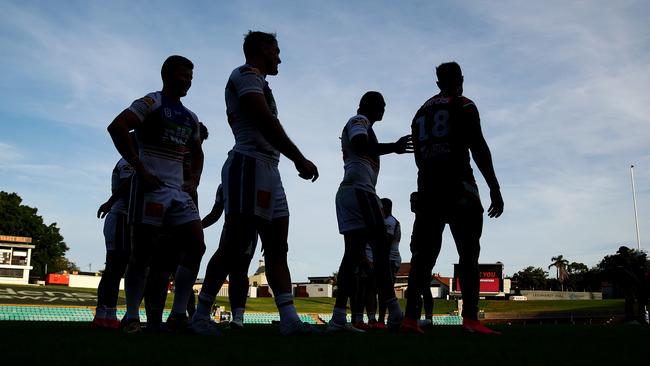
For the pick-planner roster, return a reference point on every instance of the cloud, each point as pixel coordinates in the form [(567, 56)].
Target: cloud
[(9, 153)]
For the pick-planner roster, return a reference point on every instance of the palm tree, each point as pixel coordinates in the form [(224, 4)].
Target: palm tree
[(560, 265)]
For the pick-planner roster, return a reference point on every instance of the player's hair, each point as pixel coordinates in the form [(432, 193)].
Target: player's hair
[(203, 131), (388, 204), (172, 63), (254, 40), (370, 100), (449, 73)]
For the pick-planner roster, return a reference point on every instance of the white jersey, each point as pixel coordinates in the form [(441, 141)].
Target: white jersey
[(361, 171), (166, 128), (248, 138), (393, 229), (122, 171)]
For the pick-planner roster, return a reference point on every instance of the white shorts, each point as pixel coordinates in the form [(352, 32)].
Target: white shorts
[(253, 186), (165, 206), (117, 233), (358, 209)]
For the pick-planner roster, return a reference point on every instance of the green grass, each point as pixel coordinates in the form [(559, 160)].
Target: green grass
[(76, 344), (325, 305)]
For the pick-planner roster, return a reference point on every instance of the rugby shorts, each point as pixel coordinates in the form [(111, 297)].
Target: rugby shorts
[(358, 209), (252, 186), (117, 232), (166, 206)]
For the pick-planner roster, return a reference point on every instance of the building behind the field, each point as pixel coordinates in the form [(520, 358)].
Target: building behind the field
[(439, 286), (15, 259)]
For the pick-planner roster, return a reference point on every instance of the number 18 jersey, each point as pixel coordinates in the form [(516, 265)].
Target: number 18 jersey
[(443, 130)]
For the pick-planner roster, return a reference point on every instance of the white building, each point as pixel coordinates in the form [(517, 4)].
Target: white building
[(15, 259)]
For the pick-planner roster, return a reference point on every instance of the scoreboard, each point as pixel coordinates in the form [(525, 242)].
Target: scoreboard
[(490, 277)]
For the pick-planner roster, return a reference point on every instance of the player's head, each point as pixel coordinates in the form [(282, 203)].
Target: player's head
[(388, 206), (450, 78), (372, 105), (261, 49), (177, 72), (203, 132)]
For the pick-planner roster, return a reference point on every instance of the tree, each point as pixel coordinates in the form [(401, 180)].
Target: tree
[(530, 278), (560, 265), (20, 220), (577, 268)]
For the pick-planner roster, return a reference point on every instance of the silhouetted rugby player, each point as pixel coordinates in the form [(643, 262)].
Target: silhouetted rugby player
[(359, 211), (160, 196), (445, 130), (254, 199)]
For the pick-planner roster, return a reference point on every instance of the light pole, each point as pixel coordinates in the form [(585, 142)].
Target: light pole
[(636, 215)]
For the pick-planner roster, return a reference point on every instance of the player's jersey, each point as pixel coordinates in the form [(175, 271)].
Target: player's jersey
[(443, 130), (121, 171), (361, 171), (163, 136), (393, 228), (248, 138)]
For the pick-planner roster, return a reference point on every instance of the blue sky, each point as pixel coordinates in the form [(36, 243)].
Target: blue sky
[(561, 88)]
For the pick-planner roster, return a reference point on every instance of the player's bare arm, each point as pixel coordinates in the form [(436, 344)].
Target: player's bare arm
[(213, 216), (273, 132), (363, 146), (483, 159), (119, 130)]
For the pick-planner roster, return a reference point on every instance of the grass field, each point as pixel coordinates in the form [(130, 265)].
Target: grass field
[(42, 343), (324, 305)]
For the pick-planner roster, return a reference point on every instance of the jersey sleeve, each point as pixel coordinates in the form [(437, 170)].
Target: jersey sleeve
[(144, 106), (357, 126), (248, 80), (391, 225)]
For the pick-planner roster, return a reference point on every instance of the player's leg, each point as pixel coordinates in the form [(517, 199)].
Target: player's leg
[(426, 242), (273, 235), (466, 226), (163, 264), (357, 300), (355, 242), (118, 248), (383, 272), (427, 302), (190, 235), (237, 231), (144, 239), (371, 297), (238, 288)]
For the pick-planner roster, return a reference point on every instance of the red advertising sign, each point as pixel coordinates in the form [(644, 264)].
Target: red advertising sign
[(57, 279), (489, 277)]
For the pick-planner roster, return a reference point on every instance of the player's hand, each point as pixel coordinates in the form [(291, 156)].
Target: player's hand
[(306, 169), (104, 209), (496, 206), (404, 145), (149, 181)]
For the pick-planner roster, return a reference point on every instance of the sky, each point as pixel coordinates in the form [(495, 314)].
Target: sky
[(562, 89)]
